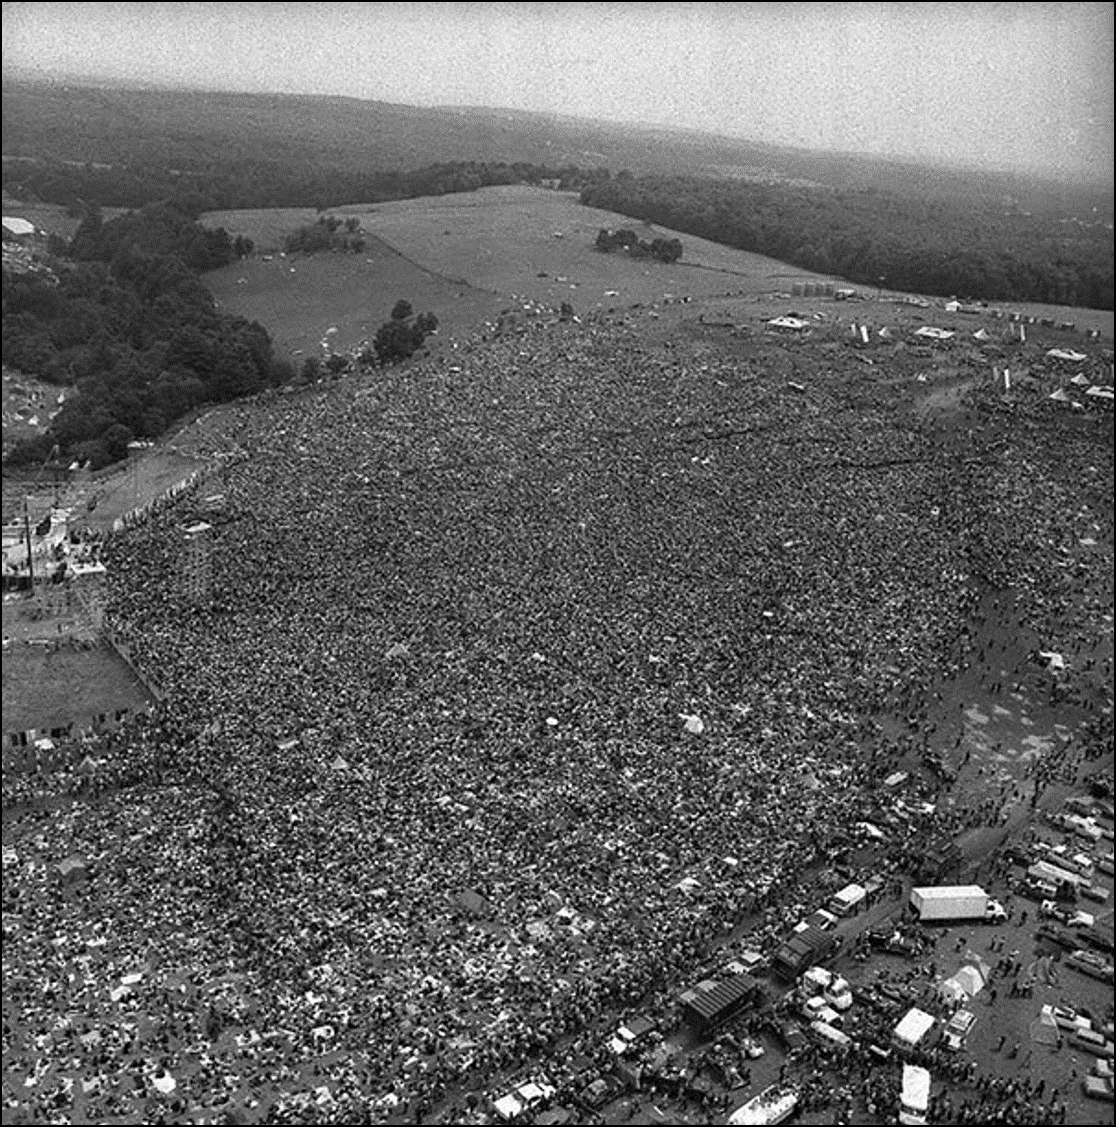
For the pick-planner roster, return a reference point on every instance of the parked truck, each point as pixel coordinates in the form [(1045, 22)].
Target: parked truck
[(956, 902), (914, 1099)]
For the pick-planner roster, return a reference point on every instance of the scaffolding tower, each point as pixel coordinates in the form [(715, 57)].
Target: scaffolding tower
[(196, 565)]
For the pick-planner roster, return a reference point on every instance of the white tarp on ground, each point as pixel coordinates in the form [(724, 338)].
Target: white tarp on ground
[(18, 226), (1066, 354), (788, 323), (1099, 392), (933, 333)]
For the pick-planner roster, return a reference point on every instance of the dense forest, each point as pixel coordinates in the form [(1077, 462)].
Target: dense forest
[(972, 249), (130, 326)]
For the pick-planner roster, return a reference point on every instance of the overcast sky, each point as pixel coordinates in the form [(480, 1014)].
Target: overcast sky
[(1023, 86)]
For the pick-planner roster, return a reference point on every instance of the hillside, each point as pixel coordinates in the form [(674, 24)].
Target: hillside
[(193, 131), (466, 257)]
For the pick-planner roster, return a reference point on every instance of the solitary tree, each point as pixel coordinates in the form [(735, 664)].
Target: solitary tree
[(401, 310)]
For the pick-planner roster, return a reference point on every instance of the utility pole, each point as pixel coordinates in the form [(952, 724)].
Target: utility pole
[(27, 533)]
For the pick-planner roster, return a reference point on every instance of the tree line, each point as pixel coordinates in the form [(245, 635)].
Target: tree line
[(262, 184), (971, 248)]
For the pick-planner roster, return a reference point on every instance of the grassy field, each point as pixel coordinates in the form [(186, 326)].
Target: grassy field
[(300, 299), (52, 217), (466, 257), (510, 245)]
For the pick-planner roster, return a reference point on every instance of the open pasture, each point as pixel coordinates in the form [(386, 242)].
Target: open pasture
[(538, 244), (465, 257), (299, 299), (53, 217)]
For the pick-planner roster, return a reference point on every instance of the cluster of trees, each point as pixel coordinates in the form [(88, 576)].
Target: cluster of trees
[(165, 228), (132, 329), (329, 233), (665, 250), (403, 335), (976, 248)]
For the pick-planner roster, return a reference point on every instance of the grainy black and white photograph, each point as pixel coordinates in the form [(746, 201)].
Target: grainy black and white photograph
[(557, 563)]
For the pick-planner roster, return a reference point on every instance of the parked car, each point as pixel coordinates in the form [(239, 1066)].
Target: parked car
[(789, 1033)]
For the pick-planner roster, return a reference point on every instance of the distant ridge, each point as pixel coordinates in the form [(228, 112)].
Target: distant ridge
[(78, 119)]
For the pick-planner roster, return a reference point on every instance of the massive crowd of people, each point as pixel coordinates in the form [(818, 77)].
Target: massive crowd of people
[(527, 672)]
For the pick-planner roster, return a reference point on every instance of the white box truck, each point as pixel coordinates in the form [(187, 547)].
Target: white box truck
[(915, 1097), (848, 900), (956, 902)]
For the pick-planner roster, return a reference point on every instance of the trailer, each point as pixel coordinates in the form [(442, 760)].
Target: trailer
[(1055, 874), (807, 946), (956, 902)]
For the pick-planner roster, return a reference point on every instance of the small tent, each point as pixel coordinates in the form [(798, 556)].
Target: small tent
[(970, 980), (1044, 1029)]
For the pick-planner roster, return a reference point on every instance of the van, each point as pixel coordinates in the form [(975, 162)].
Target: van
[(827, 1035), (816, 1009), (957, 1029)]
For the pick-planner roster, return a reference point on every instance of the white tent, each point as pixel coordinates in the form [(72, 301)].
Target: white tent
[(788, 323), (932, 333), (952, 991), (1044, 1029), (970, 980), (1066, 354)]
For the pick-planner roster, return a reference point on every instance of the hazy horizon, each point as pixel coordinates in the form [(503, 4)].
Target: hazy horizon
[(1015, 88)]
